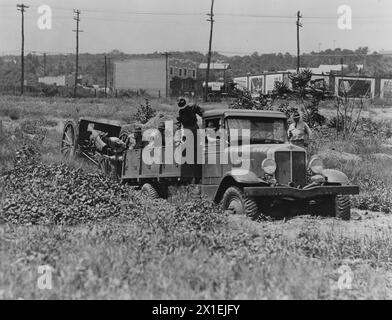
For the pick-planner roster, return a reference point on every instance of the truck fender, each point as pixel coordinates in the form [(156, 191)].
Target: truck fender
[(243, 176), (335, 176), (236, 177)]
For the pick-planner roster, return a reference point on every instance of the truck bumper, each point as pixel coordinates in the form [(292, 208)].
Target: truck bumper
[(300, 193)]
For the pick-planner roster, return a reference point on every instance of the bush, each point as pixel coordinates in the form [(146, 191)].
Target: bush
[(33, 127), (144, 113), (12, 113)]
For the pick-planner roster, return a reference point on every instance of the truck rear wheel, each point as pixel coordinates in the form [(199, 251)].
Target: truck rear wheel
[(236, 202), (150, 191)]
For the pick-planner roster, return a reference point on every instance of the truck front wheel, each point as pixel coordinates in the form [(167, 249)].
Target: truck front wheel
[(338, 206), (343, 207), (236, 202)]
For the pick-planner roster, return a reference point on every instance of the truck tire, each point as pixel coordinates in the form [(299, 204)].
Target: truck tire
[(150, 191), (343, 207), (334, 206), (236, 202)]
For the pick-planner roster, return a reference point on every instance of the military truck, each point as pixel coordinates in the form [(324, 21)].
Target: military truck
[(278, 177)]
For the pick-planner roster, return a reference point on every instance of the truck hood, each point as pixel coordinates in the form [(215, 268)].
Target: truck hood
[(266, 149)]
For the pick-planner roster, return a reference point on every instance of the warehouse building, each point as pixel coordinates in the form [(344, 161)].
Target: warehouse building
[(155, 76)]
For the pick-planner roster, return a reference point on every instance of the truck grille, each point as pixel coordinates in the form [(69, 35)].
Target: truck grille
[(291, 167)]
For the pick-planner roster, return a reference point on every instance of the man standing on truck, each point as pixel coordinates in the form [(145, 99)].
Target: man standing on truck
[(299, 132), (187, 118), (187, 114)]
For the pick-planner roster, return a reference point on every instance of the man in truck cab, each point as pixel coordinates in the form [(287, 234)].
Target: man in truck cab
[(299, 132)]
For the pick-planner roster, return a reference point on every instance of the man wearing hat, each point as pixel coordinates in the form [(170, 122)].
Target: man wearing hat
[(299, 132), (187, 114), (188, 120), (135, 139)]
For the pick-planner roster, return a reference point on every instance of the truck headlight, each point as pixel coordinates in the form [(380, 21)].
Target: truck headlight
[(316, 165), (269, 166)]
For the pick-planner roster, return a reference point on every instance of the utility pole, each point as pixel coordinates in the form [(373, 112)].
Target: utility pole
[(77, 18), (298, 52), (21, 8), (167, 54), (341, 71), (211, 20), (110, 72), (44, 64), (106, 77)]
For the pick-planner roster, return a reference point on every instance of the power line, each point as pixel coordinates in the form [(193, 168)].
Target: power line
[(222, 14)]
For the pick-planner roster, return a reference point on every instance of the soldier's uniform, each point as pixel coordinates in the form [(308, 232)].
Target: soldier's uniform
[(97, 139), (102, 141), (135, 139)]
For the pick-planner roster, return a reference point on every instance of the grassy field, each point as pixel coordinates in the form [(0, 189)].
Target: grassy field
[(188, 249)]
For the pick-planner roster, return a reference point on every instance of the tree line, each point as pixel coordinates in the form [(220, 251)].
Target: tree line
[(92, 65)]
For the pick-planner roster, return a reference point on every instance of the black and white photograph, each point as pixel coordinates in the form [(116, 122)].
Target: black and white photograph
[(195, 154)]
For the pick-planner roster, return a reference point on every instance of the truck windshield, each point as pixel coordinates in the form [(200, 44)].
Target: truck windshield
[(262, 130)]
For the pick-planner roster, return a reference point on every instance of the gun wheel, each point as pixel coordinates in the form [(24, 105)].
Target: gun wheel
[(69, 140)]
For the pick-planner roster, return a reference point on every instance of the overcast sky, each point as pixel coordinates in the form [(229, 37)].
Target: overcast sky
[(142, 26)]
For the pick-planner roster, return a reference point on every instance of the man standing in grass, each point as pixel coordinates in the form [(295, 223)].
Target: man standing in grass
[(299, 132)]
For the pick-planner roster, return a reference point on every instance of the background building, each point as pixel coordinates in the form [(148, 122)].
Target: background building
[(60, 81), (262, 83), (154, 75)]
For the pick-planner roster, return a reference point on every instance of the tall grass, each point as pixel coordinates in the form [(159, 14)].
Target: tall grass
[(170, 256), (373, 174)]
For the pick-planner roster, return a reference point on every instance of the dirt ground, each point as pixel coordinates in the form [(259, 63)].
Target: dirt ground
[(364, 223)]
